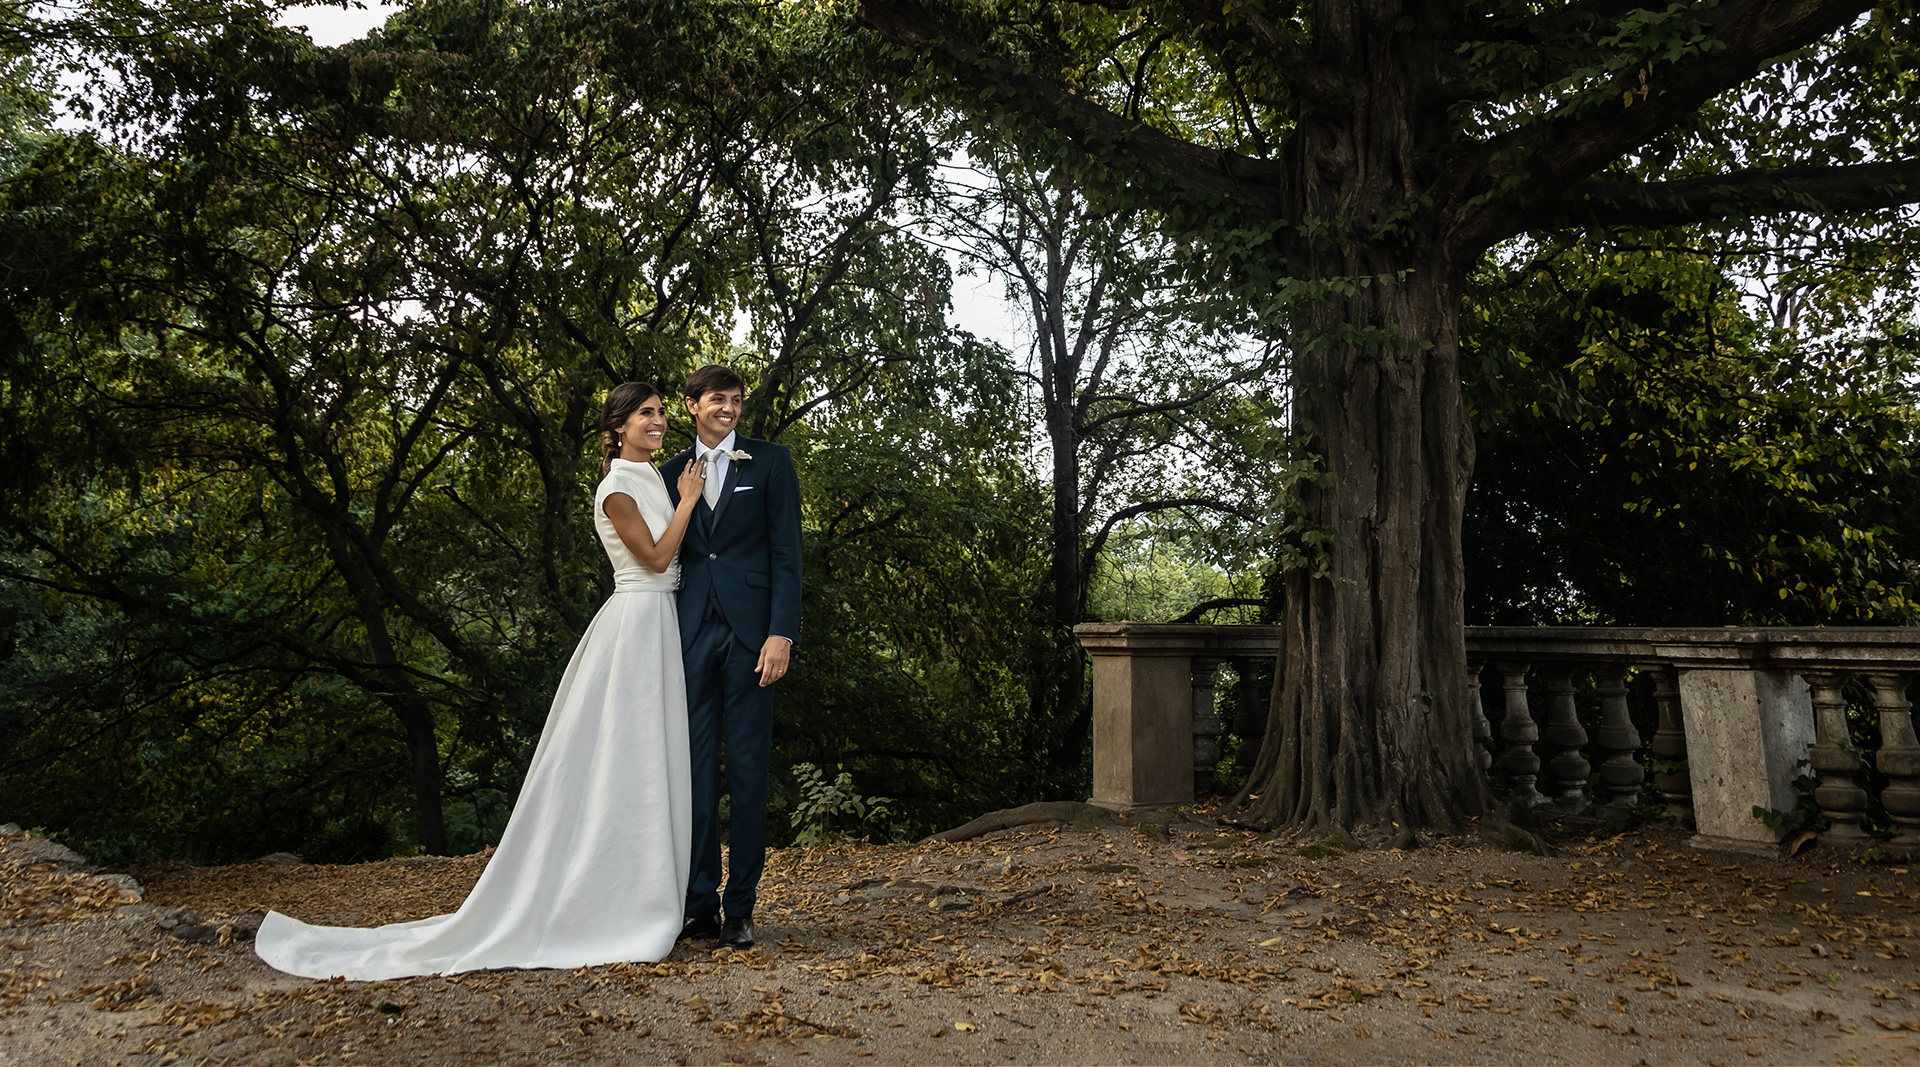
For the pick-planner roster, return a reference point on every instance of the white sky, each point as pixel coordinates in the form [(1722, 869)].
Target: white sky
[(331, 26), (980, 307)]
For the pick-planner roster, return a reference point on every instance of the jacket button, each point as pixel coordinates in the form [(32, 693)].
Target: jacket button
[(713, 555)]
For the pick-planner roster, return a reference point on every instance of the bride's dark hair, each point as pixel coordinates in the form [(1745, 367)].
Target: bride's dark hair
[(621, 402)]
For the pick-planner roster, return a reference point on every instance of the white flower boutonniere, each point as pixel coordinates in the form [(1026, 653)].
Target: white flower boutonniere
[(738, 454)]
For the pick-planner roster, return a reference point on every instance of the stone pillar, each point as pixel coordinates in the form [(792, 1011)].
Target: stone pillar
[(1564, 734), (1482, 729), (1517, 735), (1747, 734), (1206, 725), (1833, 758), (1670, 748), (1899, 760), (1142, 722), (1618, 743)]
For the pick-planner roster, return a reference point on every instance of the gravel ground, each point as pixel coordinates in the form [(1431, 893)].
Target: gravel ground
[(1164, 940)]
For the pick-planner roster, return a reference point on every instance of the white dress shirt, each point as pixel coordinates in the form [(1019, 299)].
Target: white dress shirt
[(718, 462)]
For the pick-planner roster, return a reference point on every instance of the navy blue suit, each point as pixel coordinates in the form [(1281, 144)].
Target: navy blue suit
[(739, 583)]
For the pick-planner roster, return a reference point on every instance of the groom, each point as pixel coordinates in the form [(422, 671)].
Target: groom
[(739, 618)]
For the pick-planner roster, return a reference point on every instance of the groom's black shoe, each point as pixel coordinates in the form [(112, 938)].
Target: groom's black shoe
[(737, 933), (703, 927)]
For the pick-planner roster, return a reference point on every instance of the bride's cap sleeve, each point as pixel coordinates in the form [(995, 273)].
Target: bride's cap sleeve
[(618, 480)]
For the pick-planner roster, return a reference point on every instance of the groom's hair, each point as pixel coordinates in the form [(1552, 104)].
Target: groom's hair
[(712, 378)]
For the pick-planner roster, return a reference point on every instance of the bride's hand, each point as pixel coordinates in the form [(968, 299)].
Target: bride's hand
[(693, 479)]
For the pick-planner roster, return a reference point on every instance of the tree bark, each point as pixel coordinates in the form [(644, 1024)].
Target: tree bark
[(1061, 696), (385, 677), (423, 758), (1369, 722)]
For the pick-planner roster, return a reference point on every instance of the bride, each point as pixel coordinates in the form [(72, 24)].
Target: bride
[(593, 865)]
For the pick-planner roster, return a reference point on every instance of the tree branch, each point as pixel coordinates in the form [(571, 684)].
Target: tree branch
[(1142, 408), (1193, 614), (1737, 194), (1243, 23), (1197, 170), (1099, 540), (1490, 186)]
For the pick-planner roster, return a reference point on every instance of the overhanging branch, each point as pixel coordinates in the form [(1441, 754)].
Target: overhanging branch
[(1490, 185), (1099, 541), (1738, 194), (1243, 22), (1205, 171), (1193, 614)]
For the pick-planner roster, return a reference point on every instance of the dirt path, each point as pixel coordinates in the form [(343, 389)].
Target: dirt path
[(1150, 943)]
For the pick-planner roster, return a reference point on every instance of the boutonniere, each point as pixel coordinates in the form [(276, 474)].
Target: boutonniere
[(738, 454)]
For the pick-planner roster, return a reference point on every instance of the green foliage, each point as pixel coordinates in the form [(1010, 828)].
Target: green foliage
[(924, 539), (1152, 575), (1141, 385), (1805, 814), (300, 435), (1651, 453), (829, 812)]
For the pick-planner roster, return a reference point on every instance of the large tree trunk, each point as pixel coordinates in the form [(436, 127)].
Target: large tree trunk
[(1369, 723)]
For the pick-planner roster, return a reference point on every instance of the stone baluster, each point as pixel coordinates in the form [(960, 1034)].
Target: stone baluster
[(1250, 712), (1517, 736), (1669, 746), (1206, 725), (1482, 729), (1618, 744), (1899, 760), (1839, 795), (1568, 769)]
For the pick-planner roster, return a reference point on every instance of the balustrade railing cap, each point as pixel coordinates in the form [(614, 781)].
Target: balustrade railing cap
[(1844, 648), (1175, 639), (1777, 647)]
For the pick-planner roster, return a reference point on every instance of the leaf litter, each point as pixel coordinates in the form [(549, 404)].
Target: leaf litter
[(1038, 944)]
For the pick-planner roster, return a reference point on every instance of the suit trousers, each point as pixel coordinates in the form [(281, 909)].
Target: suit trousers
[(726, 701)]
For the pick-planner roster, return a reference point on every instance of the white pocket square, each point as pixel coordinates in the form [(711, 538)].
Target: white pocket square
[(741, 488)]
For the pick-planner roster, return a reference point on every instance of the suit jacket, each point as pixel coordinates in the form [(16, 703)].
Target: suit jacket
[(745, 549)]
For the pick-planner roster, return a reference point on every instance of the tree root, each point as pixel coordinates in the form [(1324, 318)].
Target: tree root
[(1500, 832), (1067, 811)]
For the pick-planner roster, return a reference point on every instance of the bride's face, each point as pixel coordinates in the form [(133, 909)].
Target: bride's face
[(645, 429)]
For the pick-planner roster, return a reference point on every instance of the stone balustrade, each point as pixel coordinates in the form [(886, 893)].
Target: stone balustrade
[(1737, 714), (1155, 730)]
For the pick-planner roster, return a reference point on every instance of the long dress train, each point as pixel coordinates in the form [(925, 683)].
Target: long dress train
[(593, 865)]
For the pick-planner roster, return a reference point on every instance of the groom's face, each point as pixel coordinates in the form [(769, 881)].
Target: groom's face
[(714, 413)]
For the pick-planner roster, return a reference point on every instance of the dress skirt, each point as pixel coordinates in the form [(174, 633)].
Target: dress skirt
[(593, 865)]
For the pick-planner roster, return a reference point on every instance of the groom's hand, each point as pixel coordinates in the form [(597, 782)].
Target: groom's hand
[(773, 659)]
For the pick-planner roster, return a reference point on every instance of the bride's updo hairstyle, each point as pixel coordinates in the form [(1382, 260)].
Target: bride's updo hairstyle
[(622, 400)]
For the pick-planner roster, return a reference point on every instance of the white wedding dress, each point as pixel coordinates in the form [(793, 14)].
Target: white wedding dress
[(593, 865)]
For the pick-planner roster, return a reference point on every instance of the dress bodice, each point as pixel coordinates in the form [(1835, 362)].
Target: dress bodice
[(641, 482)]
